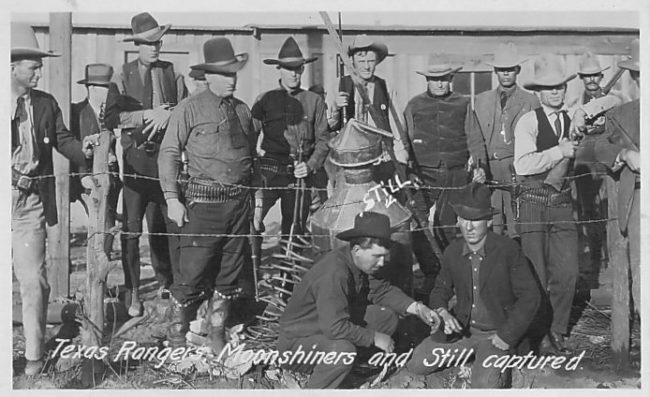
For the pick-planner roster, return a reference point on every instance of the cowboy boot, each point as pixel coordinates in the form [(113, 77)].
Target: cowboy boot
[(136, 309), (219, 309), (181, 316)]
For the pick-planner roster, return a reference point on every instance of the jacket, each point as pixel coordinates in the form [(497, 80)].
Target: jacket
[(506, 285)]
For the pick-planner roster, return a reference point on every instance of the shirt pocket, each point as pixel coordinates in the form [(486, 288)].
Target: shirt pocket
[(208, 139)]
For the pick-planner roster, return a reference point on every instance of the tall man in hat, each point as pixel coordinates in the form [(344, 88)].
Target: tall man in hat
[(140, 104), (497, 296), (340, 306), (36, 128), (543, 154), (215, 130), (294, 123), (366, 54), (498, 111), (618, 149), (443, 135), (87, 120)]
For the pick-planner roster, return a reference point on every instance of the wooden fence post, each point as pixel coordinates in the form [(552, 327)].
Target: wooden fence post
[(619, 261)]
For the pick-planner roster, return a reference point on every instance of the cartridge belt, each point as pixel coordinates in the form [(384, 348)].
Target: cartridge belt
[(545, 196), (207, 191), (271, 165)]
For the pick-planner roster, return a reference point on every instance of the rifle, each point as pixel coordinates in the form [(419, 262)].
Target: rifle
[(610, 84), (340, 71)]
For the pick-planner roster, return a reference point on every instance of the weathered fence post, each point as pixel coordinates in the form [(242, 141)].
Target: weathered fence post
[(618, 260), (97, 261)]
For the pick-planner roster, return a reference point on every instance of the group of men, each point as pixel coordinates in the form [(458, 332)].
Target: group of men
[(199, 223)]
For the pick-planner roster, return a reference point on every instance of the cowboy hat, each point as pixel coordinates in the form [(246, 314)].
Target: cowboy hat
[(24, 44), (589, 65), (197, 74), (473, 202), (220, 57), (97, 74), (290, 55), (548, 72), (506, 56), (368, 224), (633, 62), (440, 70), (363, 43), (146, 29)]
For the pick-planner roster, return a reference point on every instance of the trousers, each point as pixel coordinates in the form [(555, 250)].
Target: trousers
[(28, 234), (504, 222), (211, 262), (287, 199), (143, 198), (331, 375), (549, 239), (427, 360)]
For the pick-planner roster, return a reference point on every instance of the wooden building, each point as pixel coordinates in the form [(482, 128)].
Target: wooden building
[(412, 48)]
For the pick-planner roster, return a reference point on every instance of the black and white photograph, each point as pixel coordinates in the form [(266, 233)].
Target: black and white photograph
[(326, 196)]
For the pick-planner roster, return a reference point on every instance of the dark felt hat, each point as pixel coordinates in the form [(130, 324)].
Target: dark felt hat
[(24, 44), (197, 74), (220, 57), (290, 55), (473, 202), (97, 74), (146, 29), (368, 224)]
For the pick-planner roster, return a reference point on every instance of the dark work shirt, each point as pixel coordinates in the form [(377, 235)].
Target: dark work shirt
[(332, 297), (479, 317), (286, 118)]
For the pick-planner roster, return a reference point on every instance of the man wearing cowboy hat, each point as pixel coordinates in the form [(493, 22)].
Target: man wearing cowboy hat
[(543, 148), (140, 104), (215, 130), (87, 120), (498, 111), (497, 296), (36, 127), (443, 134), (366, 54), (339, 306), (618, 149), (295, 135)]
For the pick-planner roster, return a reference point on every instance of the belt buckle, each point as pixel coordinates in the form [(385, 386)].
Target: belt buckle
[(148, 146), (24, 183)]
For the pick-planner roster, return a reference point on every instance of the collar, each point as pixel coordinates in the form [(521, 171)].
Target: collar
[(356, 272), (548, 111), (292, 93), (509, 92), (481, 251), (440, 98), (14, 101), (587, 96), (217, 98)]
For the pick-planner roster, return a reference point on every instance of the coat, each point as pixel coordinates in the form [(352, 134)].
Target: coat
[(83, 123), (506, 285)]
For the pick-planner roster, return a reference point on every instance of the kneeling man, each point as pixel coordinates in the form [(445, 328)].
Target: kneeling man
[(497, 296), (339, 305)]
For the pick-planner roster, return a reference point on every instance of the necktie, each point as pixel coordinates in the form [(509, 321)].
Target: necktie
[(558, 124), (504, 100), (147, 96), (21, 113), (237, 136)]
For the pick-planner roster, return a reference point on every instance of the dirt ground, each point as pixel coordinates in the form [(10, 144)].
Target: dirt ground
[(590, 334)]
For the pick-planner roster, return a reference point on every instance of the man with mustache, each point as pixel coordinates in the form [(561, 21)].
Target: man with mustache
[(339, 305), (295, 135), (139, 103)]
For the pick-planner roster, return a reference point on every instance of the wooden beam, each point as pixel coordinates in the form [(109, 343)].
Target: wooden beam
[(60, 82)]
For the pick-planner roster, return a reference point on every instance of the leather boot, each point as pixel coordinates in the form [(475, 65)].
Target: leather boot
[(219, 309), (180, 321)]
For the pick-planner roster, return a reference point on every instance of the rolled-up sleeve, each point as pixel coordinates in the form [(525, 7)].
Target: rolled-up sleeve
[(528, 161)]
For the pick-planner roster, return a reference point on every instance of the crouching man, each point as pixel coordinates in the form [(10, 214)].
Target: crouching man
[(497, 296), (339, 306)]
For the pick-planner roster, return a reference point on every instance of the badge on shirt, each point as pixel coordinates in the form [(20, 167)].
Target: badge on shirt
[(46, 140), (383, 106)]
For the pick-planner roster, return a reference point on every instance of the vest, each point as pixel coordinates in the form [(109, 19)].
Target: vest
[(140, 161), (379, 100), (546, 137)]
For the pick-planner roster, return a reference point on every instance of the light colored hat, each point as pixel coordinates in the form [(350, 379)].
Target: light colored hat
[(633, 62), (220, 57), (24, 44), (146, 29), (363, 42), (506, 56), (589, 65), (549, 72), (439, 70)]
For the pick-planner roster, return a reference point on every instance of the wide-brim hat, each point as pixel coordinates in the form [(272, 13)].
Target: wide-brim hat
[(146, 29), (97, 74), (473, 202), (220, 57), (290, 56), (364, 43), (506, 56), (589, 65), (197, 74), (24, 44), (633, 62), (368, 224), (548, 72), (439, 70)]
